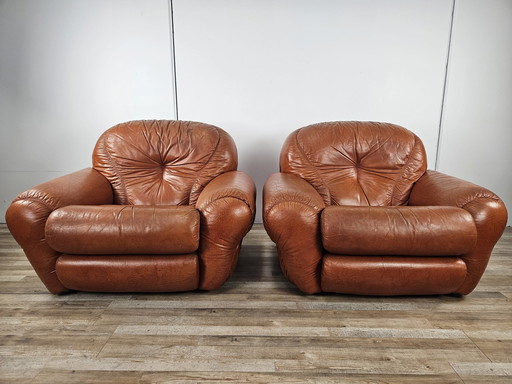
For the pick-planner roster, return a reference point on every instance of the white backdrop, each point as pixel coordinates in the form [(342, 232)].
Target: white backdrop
[(68, 71), (477, 126), (262, 68), (257, 68)]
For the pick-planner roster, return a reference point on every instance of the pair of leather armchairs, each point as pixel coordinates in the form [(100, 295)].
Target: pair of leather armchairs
[(352, 210)]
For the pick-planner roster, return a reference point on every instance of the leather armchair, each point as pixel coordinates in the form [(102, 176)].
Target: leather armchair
[(162, 209), (354, 210)]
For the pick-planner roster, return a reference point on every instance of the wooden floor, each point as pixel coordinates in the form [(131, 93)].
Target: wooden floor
[(258, 328)]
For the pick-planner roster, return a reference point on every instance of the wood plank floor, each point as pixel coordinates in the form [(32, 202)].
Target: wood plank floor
[(258, 328)]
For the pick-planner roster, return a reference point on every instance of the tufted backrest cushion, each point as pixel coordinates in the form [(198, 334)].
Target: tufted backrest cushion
[(356, 163), (157, 162)]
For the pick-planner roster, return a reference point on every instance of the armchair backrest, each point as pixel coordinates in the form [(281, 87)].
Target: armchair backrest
[(161, 162), (356, 163)]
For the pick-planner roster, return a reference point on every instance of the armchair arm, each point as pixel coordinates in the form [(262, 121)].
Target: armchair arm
[(487, 209), (227, 208), (26, 216), (291, 216)]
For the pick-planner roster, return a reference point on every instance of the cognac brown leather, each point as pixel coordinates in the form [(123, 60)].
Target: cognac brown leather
[(354, 210), (345, 231), (140, 273), (227, 212), (26, 217), (356, 164), (123, 229), (390, 276), (157, 162), (162, 209)]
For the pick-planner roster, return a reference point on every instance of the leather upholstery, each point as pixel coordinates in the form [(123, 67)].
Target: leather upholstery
[(162, 209), (353, 163), (345, 230), (26, 216), (391, 276), (162, 162), (123, 229), (354, 210), (124, 273)]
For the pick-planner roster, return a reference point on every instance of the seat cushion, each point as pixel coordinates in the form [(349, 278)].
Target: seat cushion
[(117, 229), (404, 230)]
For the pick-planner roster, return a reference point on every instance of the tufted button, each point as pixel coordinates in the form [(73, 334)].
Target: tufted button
[(162, 162), (350, 163)]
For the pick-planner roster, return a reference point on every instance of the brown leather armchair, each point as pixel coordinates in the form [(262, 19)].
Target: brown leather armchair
[(162, 209), (355, 211)]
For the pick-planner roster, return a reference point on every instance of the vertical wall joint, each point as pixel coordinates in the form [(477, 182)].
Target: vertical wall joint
[(443, 100), (173, 59)]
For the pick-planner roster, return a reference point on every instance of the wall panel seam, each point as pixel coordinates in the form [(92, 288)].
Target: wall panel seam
[(173, 58), (443, 99)]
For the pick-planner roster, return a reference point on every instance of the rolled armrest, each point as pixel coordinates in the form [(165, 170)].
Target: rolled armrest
[(488, 211), (227, 208), (26, 216), (291, 217), (285, 187), (436, 188), (235, 184)]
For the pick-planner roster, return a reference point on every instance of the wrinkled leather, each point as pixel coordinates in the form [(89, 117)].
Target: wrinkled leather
[(413, 231), (354, 210), (227, 209), (291, 217), (354, 163), (162, 162), (487, 209), (123, 229), (112, 228), (129, 273), (391, 276), (26, 216)]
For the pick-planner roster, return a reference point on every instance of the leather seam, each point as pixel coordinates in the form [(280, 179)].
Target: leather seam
[(299, 146), (114, 166), (247, 203), (496, 199), (271, 208), (401, 176), (39, 201), (194, 188)]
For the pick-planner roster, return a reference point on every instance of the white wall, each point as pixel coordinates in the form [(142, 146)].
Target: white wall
[(477, 124), (69, 69), (262, 68)]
